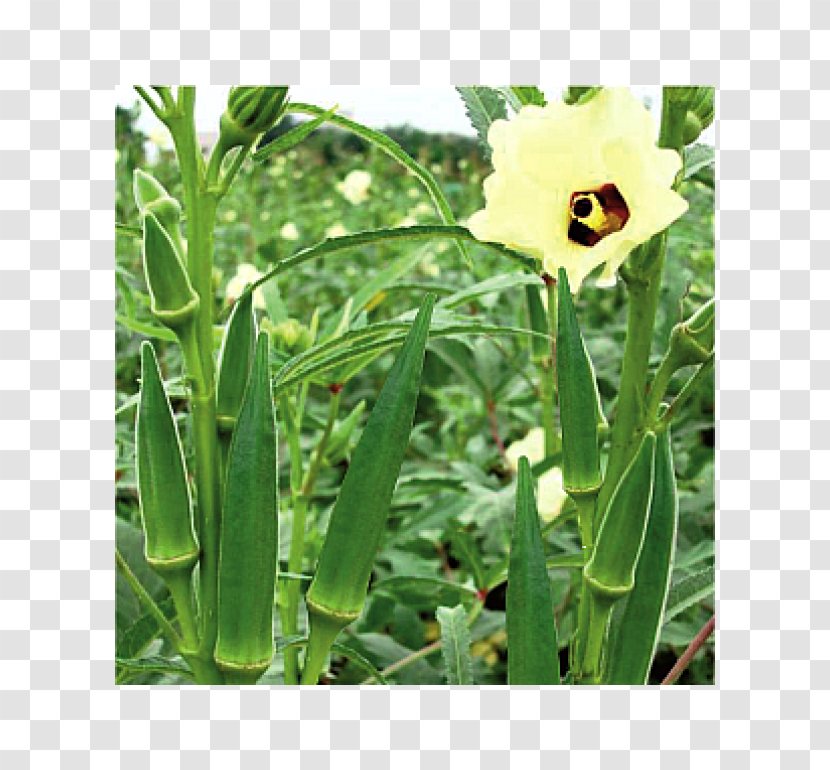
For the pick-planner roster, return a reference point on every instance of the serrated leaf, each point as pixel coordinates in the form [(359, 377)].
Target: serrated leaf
[(484, 106), (698, 157), (130, 668), (292, 137), (422, 591), (455, 644), (689, 591)]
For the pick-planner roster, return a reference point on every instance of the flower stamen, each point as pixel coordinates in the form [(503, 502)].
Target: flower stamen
[(595, 214)]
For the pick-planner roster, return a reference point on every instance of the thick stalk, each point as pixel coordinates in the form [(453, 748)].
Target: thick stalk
[(288, 609), (585, 511), (643, 277), (200, 207)]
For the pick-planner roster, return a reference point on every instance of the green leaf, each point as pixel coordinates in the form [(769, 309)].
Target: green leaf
[(484, 106), (423, 591), (455, 644), (130, 668), (688, 592), (131, 231), (346, 649), (529, 95), (370, 237), (292, 137), (533, 649), (395, 151), (496, 284), (135, 637), (147, 329), (698, 157)]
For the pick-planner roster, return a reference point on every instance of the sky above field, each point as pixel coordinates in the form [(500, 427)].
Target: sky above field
[(436, 109)]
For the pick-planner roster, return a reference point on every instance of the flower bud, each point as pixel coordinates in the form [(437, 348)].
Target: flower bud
[(289, 335), (251, 111)]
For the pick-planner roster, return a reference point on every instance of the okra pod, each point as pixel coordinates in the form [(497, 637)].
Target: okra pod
[(163, 494), (248, 542), (151, 198), (235, 357), (172, 298), (533, 654), (609, 572), (357, 522), (636, 623), (578, 398)]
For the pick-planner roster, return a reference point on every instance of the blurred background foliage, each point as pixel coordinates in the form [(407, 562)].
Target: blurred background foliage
[(450, 524)]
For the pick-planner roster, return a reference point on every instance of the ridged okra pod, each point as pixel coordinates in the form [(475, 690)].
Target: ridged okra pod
[(636, 631), (170, 546), (172, 298), (248, 542), (579, 408), (151, 198), (235, 358), (357, 522), (163, 493), (609, 572), (533, 654)]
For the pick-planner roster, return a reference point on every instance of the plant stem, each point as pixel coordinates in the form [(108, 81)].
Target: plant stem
[(686, 658), (599, 612), (290, 605), (585, 511), (688, 389), (200, 207)]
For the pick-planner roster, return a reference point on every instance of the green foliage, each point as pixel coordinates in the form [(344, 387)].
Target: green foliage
[(447, 538), (484, 106), (455, 644)]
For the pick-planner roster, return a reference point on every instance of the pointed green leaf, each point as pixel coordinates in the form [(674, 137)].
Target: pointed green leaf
[(484, 106)]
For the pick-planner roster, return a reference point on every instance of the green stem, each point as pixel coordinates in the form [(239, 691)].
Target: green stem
[(200, 207), (688, 389), (181, 590), (599, 612), (585, 512), (290, 605)]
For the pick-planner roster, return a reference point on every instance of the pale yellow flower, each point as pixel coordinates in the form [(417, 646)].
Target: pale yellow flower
[(336, 231), (355, 187), (245, 273), (531, 446), (289, 232), (408, 221), (229, 216), (579, 186), (550, 494)]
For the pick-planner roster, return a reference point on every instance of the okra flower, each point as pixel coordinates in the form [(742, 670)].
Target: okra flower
[(578, 186), (245, 274), (550, 494), (355, 187)]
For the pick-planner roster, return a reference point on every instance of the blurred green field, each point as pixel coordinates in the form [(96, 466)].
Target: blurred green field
[(454, 502)]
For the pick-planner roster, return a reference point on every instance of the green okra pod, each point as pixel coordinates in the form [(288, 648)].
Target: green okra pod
[(636, 623), (151, 198), (578, 399), (357, 522), (610, 570), (235, 358), (533, 654), (163, 493), (539, 346), (172, 298), (248, 542)]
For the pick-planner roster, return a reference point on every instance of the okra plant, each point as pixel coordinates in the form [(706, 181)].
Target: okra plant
[(323, 489)]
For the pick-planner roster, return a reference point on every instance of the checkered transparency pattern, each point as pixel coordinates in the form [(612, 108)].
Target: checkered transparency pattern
[(58, 706)]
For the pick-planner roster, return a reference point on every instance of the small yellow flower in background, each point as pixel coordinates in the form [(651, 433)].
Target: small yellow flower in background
[(407, 221), (422, 209), (161, 138), (289, 232), (328, 203), (429, 267), (229, 216), (264, 216), (578, 186), (550, 495), (355, 187), (413, 192), (245, 273), (336, 231), (435, 168)]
